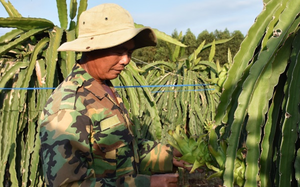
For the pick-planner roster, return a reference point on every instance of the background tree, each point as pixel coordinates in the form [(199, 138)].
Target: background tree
[(235, 43), (160, 51), (208, 37), (150, 54), (221, 50), (175, 34), (221, 56), (189, 39), (145, 54)]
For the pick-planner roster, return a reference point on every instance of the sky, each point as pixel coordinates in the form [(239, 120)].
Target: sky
[(166, 16)]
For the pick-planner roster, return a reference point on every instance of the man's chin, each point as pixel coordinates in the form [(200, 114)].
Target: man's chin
[(114, 77)]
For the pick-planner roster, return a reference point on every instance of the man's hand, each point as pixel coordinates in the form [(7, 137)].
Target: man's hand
[(164, 180), (176, 152), (180, 163), (183, 164)]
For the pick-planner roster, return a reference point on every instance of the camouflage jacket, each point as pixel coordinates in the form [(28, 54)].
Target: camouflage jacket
[(87, 139)]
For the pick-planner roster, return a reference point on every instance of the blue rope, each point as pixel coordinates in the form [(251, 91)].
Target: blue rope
[(27, 88), (155, 86), (198, 90), (143, 86)]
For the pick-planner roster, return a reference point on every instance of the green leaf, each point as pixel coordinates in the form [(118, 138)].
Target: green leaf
[(12, 127), (82, 7), (243, 57), (7, 37), (19, 40), (127, 79), (297, 167), (279, 65), (155, 65), (194, 55), (217, 42), (163, 36), (73, 9), (37, 50), (10, 73), (26, 24), (196, 165), (70, 54), (175, 54), (62, 13), (51, 57), (292, 118), (10, 9), (210, 64), (147, 97), (258, 72), (212, 51)]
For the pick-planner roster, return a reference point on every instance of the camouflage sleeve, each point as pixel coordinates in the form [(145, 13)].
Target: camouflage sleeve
[(155, 157)]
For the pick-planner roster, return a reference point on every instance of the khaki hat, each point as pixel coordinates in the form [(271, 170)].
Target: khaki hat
[(108, 25)]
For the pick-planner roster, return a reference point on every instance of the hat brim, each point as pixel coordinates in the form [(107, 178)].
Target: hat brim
[(143, 37)]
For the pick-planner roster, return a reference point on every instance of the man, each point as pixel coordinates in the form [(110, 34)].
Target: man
[(86, 135)]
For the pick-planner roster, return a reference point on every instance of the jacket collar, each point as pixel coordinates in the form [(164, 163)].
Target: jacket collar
[(84, 79)]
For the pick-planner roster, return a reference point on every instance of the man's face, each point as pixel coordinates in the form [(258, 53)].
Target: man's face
[(107, 64)]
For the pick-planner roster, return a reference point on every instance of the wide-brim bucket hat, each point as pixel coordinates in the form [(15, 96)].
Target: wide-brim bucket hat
[(108, 25)]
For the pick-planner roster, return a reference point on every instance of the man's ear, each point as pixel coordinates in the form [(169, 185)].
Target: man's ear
[(84, 58)]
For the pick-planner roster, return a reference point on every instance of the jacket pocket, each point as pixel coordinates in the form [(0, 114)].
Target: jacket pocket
[(106, 143)]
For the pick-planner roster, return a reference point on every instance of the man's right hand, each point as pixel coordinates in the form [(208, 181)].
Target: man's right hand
[(164, 180)]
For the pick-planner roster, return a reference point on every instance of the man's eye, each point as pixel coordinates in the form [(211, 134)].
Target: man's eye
[(130, 53)]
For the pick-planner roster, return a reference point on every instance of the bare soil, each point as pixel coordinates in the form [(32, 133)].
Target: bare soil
[(199, 179)]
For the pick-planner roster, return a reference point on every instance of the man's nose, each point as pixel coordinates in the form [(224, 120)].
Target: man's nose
[(125, 59)]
